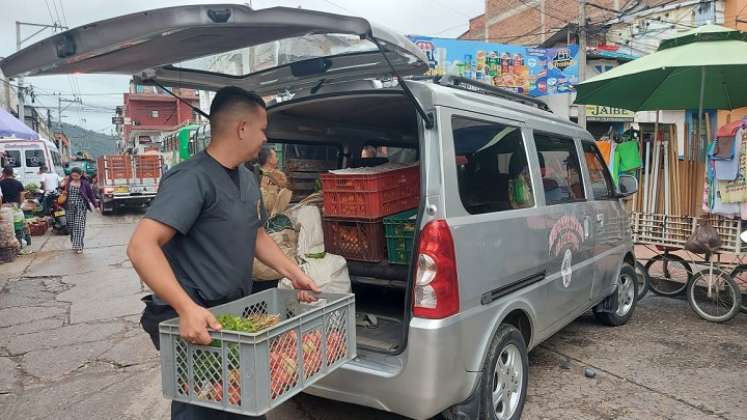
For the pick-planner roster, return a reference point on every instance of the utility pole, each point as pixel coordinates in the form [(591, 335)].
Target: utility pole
[(19, 42), (582, 57)]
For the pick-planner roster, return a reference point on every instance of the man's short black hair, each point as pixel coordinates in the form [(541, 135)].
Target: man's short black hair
[(8, 171), (76, 170), (229, 96)]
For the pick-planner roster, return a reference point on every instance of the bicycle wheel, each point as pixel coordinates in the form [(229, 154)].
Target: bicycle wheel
[(642, 279), (740, 278), (713, 295), (668, 274)]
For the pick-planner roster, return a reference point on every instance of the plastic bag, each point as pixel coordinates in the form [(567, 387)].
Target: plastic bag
[(7, 228), (287, 240), (308, 222), (329, 272), (704, 240)]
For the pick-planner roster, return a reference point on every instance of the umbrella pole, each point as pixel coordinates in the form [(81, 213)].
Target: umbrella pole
[(666, 178), (646, 176), (699, 138)]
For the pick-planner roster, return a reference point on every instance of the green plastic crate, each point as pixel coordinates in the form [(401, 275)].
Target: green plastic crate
[(399, 231)]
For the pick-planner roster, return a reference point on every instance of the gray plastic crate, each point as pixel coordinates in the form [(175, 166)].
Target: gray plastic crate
[(251, 374)]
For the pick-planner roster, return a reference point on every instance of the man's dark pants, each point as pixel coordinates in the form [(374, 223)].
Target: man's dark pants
[(152, 316)]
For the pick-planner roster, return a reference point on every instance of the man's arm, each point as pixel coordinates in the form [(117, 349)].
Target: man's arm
[(144, 250), (270, 253)]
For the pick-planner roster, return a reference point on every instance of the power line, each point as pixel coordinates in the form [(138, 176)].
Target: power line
[(525, 3), (446, 6), (340, 7)]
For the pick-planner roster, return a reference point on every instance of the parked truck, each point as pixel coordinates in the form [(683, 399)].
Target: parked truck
[(128, 180)]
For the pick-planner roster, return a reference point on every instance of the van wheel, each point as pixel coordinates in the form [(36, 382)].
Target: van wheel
[(504, 381), (618, 308)]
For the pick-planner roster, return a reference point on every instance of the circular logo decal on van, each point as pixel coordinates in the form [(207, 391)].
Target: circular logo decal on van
[(566, 268)]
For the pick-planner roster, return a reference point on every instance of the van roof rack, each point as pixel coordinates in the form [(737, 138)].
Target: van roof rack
[(486, 89)]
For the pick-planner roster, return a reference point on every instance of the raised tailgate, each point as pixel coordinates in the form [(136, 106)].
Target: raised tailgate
[(148, 168), (114, 169)]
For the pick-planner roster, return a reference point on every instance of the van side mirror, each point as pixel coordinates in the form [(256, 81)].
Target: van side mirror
[(627, 185)]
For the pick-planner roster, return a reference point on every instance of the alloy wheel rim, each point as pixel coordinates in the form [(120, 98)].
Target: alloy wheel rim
[(625, 295), (508, 380)]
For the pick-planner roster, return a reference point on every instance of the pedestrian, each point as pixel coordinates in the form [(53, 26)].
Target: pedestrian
[(80, 200), (50, 182), (196, 244), (273, 183), (12, 189)]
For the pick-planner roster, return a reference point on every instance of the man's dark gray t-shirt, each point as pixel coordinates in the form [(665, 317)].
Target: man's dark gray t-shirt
[(216, 223)]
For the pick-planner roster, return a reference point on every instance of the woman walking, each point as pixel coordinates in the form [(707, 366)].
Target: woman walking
[(80, 199)]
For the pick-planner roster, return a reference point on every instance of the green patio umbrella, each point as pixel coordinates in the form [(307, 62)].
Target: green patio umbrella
[(704, 67)]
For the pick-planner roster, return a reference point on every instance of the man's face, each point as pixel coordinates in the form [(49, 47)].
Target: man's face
[(252, 132)]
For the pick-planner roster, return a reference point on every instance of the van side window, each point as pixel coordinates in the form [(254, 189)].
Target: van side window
[(34, 158), (601, 180), (560, 169), (56, 159), (14, 158), (492, 167)]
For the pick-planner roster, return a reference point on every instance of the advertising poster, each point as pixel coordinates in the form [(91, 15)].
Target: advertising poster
[(531, 71)]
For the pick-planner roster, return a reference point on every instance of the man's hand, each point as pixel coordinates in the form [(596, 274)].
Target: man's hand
[(194, 324), (305, 285)]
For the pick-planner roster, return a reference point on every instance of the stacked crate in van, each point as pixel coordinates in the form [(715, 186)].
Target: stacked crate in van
[(356, 202)]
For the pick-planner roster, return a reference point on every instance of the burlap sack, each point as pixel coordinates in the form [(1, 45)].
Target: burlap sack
[(287, 240)]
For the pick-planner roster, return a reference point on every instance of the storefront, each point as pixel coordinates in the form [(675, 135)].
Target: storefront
[(604, 121)]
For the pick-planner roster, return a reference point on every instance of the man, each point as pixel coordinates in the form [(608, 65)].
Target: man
[(273, 183), (49, 181), (12, 189), (196, 245)]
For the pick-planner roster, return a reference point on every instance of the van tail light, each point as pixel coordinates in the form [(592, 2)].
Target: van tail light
[(436, 293)]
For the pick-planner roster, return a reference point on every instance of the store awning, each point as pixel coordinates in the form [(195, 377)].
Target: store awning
[(11, 126)]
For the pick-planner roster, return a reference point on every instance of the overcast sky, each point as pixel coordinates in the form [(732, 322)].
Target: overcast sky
[(101, 93)]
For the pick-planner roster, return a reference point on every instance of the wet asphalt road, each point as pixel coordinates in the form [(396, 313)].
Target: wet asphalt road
[(71, 348)]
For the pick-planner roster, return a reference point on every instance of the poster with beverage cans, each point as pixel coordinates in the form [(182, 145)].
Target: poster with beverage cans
[(526, 70)]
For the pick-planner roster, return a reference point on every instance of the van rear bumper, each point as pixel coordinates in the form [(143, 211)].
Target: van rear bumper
[(420, 383)]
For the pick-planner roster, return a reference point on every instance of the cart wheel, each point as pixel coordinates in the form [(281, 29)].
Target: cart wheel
[(668, 274), (714, 295), (740, 278)]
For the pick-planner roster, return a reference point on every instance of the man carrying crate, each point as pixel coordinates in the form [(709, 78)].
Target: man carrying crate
[(196, 245)]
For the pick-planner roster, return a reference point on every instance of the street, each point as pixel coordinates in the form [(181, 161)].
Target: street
[(71, 348)]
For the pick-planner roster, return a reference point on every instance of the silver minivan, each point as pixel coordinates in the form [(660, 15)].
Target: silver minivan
[(520, 228)]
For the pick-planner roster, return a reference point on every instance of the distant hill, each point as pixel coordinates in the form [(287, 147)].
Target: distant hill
[(95, 143)]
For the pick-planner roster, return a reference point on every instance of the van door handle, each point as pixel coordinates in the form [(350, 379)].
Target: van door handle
[(600, 219)]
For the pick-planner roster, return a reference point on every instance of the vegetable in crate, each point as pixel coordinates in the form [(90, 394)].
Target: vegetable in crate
[(251, 324), (336, 346), (283, 367), (312, 353)]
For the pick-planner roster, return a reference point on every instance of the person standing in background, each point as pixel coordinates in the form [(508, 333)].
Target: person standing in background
[(273, 182), (12, 189), (80, 200)]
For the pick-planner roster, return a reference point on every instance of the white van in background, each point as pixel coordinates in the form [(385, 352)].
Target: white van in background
[(27, 156)]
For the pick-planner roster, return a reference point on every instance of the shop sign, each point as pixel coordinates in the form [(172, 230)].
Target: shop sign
[(607, 113), (530, 71)]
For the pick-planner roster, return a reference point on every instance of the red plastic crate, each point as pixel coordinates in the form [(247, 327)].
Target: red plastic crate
[(359, 240), (371, 197)]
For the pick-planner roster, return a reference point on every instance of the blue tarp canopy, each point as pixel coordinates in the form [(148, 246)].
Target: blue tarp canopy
[(11, 126)]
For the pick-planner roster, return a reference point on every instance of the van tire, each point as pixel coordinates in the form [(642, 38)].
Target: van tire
[(508, 341), (615, 316)]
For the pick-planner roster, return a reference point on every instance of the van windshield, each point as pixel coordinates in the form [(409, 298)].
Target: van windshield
[(35, 158), (244, 61), (14, 158)]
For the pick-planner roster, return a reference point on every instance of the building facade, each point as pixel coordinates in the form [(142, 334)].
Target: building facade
[(148, 112)]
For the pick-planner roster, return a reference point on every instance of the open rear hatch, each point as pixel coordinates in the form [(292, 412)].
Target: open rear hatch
[(185, 46)]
